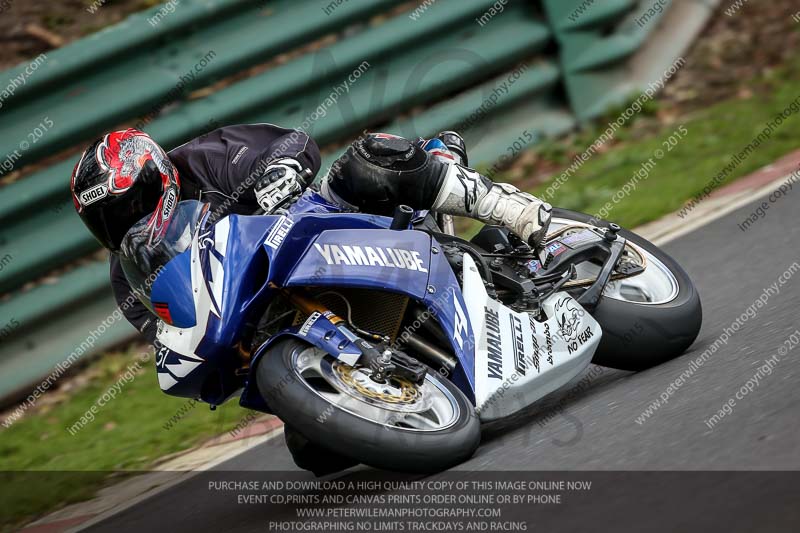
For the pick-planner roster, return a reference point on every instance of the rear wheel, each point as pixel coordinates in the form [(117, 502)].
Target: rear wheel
[(395, 425), (648, 318)]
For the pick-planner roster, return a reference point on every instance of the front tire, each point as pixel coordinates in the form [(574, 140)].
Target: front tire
[(637, 336), (299, 382)]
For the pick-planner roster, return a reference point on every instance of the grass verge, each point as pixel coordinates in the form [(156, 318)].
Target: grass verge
[(43, 466), (713, 137)]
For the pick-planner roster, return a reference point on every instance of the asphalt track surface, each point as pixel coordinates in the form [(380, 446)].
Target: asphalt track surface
[(596, 429)]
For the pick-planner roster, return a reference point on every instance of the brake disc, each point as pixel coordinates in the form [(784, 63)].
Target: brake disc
[(396, 390)]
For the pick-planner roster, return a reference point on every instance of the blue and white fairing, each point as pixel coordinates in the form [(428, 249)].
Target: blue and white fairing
[(520, 359), (212, 290), (228, 269), (209, 292)]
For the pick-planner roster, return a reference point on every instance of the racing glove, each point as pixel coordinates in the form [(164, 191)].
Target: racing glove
[(283, 179)]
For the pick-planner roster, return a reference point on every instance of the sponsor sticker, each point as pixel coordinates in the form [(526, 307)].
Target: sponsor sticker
[(556, 248), (581, 339), (169, 204), (354, 255), (569, 319), (534, 266), (494, 344), (576, 239), (568, 316), (306, 327), (278, 232), (535, 356), (518, 344), (548, 341), (90, 196)]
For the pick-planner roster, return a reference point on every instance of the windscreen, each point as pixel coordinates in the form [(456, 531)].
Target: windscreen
[(142, 258)]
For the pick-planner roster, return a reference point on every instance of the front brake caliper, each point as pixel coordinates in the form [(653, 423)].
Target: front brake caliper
[(385, 362), (408, 367)]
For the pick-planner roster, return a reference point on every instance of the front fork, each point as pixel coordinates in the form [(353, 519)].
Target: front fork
[(382, 363)]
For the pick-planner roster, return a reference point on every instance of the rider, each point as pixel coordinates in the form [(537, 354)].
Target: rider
[(125, 175)]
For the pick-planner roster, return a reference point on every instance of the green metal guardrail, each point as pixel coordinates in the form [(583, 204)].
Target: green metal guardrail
[(496, 79), (591, 58), (152, 62), (286, 88)]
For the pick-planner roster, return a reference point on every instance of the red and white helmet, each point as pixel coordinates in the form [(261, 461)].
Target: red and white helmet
[(120, 179)]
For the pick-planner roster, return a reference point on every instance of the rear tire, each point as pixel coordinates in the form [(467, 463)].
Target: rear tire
[(382, 446), (638, 336)]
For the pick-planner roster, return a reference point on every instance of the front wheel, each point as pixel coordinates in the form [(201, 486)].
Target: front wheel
[(395, 425), (648, 318)]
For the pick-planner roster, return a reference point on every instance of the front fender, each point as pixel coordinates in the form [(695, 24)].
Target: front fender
[(318, 331)]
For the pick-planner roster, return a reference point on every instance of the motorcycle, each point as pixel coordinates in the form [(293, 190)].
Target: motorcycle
[(387, 339)]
